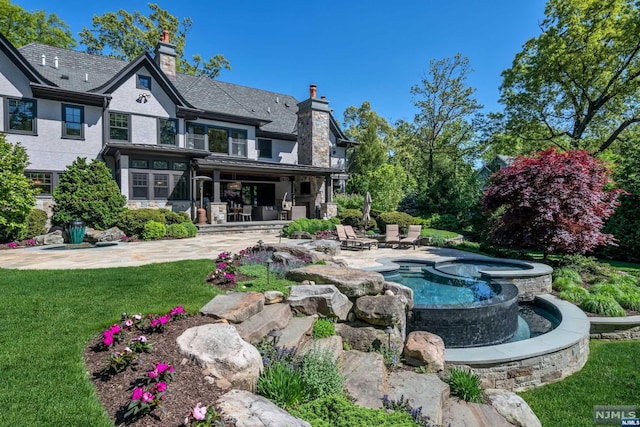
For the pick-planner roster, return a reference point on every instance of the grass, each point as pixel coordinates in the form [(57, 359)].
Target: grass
[(442, 234), (610, 377), (48, 317), (260, 283)]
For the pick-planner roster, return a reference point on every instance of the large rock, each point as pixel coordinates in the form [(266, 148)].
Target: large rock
[(352, 282), (425, 391), (297, 332), (236, 307), (403, 290), (297, 251), (273, 297), (53, 238), (363, 336), (329, 247), (113, 234), (382, 310), (461, 413), (255, 328), (325, 300), (330, 345), (424, 349), (249, 410), (365, 377), (219, 349), (513, 408)]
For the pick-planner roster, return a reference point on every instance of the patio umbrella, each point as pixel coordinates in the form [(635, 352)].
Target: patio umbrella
[(366, 210)]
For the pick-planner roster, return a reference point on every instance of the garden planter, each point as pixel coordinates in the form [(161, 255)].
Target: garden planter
[(76, 231)]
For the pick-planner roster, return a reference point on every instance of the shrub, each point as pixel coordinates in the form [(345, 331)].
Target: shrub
[(348, 201), (36, 223), (323, 328), (192, 230), (338, 411), (602, 304), (402, 219), (352, 217), (177, 231), (311, 226), (567, 273), (171, 217), (282, 383), (444, 222), (132, 221), (464, 384), (562, 283), (154, 230), (17, 195), (575, 294), (606, 289), (583, 264), (630, 301), (87, 191), (320, 375)]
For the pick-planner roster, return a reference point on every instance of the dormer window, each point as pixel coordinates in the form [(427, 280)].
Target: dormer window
[(143, 82)]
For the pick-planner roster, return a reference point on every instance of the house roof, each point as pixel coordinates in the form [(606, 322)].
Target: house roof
[(233, 164), (82, 72)]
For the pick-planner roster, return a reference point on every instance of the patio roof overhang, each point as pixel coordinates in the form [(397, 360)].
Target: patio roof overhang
[(111, 149), (231, 164)]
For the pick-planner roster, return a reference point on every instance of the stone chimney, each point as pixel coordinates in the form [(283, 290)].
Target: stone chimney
[(314, 141), (165, 55)]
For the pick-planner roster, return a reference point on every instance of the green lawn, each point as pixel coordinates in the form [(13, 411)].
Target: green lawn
[(610, 377), (48, 317)]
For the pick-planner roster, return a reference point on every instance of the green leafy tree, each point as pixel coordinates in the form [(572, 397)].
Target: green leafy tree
[(17, 195), (86, 191), (21, 27), (387, 185), (373, 134), (126, 35), (576, 85)]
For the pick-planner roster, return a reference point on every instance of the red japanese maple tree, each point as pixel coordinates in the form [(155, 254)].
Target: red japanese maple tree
[(555, 202)]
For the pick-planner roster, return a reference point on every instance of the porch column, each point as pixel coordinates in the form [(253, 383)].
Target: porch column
[(216, 186)]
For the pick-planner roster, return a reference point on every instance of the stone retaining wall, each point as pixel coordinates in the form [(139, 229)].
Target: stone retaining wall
[(620, 328), (529, 287), (524, 374)]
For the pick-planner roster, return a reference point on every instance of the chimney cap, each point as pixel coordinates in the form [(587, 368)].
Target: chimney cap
[(312, 90), (164, 37)]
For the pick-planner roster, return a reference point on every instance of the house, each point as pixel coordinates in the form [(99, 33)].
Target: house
[(169, 137), (494, 165)]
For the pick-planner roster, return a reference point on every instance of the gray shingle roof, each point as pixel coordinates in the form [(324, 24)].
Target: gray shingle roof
[(201, 92)]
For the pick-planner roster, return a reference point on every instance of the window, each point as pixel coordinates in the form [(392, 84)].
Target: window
[(238, 142), (21, 115), (218, 140), (161, 164), (139, 183), (119, 126), (42, 181), (196, 137), (143, 82), (180, 166), (168, 131), (160, 186), (139, 164), (181, 189), (72, 121), (264, 148)]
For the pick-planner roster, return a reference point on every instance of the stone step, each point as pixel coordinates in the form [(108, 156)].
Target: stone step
[(236, 307), (242, 227), (297, 332), (421, 390), (365, 377), (255, 328), (332, 345), (460, 413)]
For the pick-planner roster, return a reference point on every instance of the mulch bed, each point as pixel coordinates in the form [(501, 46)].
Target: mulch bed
[(187, 388)]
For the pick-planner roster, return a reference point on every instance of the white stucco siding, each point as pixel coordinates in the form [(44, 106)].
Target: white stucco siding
[(48, 150), (338, 159), (12, 81), (144, 130), (125, 98), (284, 151)]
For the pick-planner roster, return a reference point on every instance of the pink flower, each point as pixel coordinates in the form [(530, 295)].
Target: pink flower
[(128, 323), (137, 316), (137, 393), (199, 412), (152, 374), (108, 340), (147, 397), (164, 319), (142, 338), (162, 386), (161, 367), (176, 310)]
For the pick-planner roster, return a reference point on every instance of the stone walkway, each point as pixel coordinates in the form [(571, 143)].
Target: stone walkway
[(201, 247)]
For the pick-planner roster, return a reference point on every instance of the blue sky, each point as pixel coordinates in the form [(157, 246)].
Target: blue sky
[(354, 51)]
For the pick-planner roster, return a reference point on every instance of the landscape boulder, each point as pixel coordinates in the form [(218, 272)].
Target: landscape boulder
[(424, 349), (325, 300), (255, 328), (382, 310), (54, 238), (236, 307), (329, 247), (513, 408), (113, 234), (363, 336), (250, 410), (400, 290), (273, 297), (352, 282), (219, 349)]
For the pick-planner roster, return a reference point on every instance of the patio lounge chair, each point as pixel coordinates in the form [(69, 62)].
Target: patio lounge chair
[(344, 240), (413, 236), (393, 235), (351, 235)]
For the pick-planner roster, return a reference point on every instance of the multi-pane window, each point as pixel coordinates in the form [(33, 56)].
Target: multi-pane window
[(140, 184), (42, 181), (264, 148), (180, 166), (196, 138), (119, 126), (20, 115), (168, 131), (72, 121), (143, 82), (139, 164), (238, 142), (181, 189), (218, 140), (161, 164), (160, 186)]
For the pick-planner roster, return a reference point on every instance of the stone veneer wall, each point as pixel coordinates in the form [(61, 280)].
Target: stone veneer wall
[(520, 375), (330, 209), (529, 287), (622, 328)]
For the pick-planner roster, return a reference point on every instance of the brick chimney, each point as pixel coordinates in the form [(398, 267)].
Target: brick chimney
[(314, 140), (165, 55)]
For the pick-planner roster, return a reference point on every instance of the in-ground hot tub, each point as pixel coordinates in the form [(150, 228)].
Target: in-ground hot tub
[(463, 311)]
